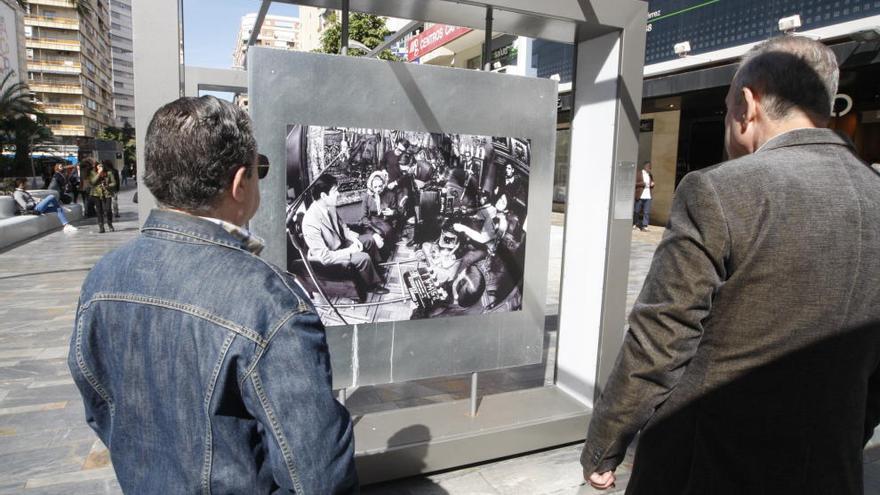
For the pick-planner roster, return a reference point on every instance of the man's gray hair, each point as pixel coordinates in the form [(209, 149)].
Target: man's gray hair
[(790, 72), (193, 148)]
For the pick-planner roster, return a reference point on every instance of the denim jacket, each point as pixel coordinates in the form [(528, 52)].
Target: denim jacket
[(205, 369)]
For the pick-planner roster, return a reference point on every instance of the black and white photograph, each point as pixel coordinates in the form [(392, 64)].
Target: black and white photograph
[(394, 225)]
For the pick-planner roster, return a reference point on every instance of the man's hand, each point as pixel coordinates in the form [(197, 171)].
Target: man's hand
[(392, 184), (458, 227), (601, 481), (380, 243)]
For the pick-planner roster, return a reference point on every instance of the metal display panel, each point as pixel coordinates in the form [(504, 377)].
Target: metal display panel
[(289, 88), (609, 36)]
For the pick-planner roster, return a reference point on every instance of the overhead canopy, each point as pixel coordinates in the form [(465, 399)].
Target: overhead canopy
[(565, 21)]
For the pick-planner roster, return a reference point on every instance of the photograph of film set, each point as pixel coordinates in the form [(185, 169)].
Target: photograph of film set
[(388, 225)]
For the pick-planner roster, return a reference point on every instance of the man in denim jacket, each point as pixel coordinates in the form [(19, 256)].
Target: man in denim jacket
[(202, 367)]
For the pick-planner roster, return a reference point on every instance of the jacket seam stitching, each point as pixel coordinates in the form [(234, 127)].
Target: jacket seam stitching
[(262, 350), (171, 230), (196, 311), (87, 373), (278, 433), (207, 463)]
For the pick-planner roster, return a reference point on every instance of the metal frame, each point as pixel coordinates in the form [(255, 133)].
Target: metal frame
[(610, 37)]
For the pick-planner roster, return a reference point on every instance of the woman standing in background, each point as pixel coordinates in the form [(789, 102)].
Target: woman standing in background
[(103, 184)]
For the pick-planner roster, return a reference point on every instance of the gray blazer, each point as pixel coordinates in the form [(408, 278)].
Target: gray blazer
[(751, 361), (325, 240)]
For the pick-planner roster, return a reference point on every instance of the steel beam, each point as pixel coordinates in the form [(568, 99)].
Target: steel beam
[(258, 26)]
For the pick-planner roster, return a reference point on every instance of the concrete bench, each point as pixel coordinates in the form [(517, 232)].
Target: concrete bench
[(18, 228)]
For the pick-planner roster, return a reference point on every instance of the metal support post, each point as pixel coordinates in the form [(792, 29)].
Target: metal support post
[(473, 411), (344, 35), (258, 26), (487, 42), (342, 395)]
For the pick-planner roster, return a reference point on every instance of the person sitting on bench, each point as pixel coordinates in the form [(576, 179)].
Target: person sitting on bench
[(27, 205)]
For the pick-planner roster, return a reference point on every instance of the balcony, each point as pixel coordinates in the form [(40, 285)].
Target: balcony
[(51, 22), (54, 3), (55, 87), (68, 130), (63, 108), (53, 44), (55, 66)]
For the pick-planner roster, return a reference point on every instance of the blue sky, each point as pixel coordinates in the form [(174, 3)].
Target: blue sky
[(210, 28)]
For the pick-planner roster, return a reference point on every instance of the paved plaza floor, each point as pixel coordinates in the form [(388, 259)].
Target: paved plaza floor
[(46, 447)]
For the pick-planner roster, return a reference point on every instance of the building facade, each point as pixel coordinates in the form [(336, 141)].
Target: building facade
[(683, 98), (280, 32), (123, 61), (312, 21), (69, 66)]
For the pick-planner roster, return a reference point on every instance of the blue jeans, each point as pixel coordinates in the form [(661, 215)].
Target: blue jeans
[(50, 204), (643, 209)]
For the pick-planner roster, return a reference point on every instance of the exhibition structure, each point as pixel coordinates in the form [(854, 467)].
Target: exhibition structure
[(446, 178)]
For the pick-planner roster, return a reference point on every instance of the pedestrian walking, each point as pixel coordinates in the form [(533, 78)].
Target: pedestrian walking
[(644, 191)]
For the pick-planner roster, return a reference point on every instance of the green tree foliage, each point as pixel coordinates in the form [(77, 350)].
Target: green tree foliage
[(366, 28), (124, 135), (15, 98), (28, 132), (21, 121)]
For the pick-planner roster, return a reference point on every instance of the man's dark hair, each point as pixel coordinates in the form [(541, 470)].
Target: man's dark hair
[(20, 181), (324, 184), (194, 146)]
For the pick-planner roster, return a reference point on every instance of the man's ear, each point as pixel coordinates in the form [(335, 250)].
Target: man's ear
[(239, 183), (750, 108)]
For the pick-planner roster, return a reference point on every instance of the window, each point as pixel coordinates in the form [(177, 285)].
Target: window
[(28, 31), (91, 104)]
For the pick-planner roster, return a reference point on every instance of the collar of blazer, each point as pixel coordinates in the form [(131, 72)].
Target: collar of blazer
[(800, 137)]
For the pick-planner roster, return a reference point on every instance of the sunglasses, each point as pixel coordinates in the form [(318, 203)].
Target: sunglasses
[(262, 166)]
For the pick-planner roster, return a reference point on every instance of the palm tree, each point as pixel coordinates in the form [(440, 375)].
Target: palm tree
[(15, 98), (21, 121)]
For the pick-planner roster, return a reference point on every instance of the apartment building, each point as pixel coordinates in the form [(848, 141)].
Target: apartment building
[(278, 31), (123, 61), (69, 66)]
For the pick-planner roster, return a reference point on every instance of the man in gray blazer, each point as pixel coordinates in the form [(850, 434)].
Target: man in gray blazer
[(331, 242), (751, 361)]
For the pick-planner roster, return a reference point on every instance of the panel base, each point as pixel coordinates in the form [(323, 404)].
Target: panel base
[(424, 439)]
